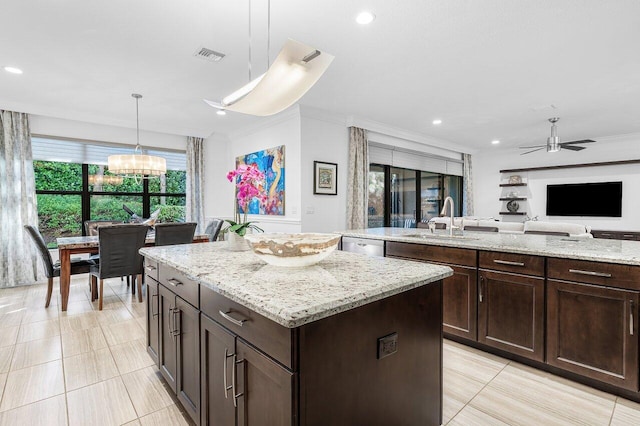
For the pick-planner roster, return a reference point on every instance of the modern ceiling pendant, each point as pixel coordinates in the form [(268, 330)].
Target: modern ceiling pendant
[(296, 69), (137, 165), (553, 142)]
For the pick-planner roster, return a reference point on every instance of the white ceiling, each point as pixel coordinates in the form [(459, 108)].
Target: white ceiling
[(489, 69)]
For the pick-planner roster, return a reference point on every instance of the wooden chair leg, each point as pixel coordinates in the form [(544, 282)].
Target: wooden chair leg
[(101, 290), (128, 282), (139, 282), (94, 287), (133, 287), (49, 291)]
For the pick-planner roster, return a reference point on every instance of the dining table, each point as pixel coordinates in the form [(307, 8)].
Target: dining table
[(89, 245)]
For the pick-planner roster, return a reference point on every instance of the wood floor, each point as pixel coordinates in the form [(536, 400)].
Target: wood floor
[(86, 367)]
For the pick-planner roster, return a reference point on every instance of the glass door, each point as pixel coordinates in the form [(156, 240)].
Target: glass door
[(375, 208), (430, 195), (403, 198)]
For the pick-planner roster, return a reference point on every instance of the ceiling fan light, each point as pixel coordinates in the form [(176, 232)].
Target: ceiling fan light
[(553, 144), (284, 83)]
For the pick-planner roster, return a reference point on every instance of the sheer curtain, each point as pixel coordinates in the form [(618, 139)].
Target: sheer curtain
[(18, 260), (358, 179), (467, 183), (195, 182)]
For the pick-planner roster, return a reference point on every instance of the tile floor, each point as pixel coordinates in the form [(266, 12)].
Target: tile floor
[(86, 367)]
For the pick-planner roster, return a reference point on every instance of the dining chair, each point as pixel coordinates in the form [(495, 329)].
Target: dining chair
[(119, 246), (213, 229), (174, 233), (91, 226), (51, 270)]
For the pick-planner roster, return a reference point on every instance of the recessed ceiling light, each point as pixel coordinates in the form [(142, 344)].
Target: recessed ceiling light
[(495, 141), (13, 70), (365, 18), (436, 122), (221, 112)]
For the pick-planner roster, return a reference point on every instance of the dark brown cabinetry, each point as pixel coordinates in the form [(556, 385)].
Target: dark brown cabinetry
[(241, 384), (459, 291), (592, 311), (153, 315), (179, 349), (511, 303), (616, 235)]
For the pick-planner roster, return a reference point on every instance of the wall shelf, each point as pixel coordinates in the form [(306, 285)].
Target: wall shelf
[(571, 166), (513, 213), (513, 198), (513, 184)]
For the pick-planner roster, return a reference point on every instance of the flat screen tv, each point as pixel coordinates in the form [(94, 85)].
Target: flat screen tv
[(602, 199)]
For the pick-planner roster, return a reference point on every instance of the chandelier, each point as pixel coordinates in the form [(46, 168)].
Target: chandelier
[(105, 180), (137, 165)]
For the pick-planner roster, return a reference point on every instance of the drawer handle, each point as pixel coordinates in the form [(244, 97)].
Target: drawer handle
[(628, 235), (227, 355), (508, 262), (176, 331), (361, 244), (228, 317), (631, 317), (171, 323), (590, 273), (480, 292), (174, 282), (150, 268), (154, 314)]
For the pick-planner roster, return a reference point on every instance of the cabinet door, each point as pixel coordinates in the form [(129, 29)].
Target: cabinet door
[(216, 364), (153, 318), (459, 303), (511, 313), (187, 320), (167, 350), (265, 389), (593, 331)]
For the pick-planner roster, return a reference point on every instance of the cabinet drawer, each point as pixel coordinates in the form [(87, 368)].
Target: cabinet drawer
[(151, 268), (608, 274), (511, 262), (178, 283), (268, 336), (449, 255)]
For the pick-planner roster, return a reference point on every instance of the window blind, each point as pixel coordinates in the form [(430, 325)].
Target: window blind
[(413, 160), (90, 152)]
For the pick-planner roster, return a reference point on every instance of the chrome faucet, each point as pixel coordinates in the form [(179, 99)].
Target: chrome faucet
[(444, 212)]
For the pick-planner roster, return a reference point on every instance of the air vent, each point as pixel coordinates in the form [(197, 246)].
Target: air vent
[(208, 54)]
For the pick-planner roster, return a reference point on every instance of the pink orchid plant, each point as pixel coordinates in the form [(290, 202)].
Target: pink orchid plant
[(249, 183)]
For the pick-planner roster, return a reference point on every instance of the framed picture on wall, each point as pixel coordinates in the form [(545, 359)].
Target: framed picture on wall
[(325, 178)]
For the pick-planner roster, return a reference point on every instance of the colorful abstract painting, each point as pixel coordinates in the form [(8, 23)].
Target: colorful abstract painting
[(271, 162)]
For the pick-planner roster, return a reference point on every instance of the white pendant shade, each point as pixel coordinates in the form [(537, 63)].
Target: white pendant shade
[(284, 83), (137, 164)]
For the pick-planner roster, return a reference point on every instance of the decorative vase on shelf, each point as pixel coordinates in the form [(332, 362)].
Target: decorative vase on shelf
[(236, 242)]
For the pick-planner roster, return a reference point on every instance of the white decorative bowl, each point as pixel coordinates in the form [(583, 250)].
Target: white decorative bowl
[(293, 250)]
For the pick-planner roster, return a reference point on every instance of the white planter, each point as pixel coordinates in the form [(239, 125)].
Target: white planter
[(236, 243)]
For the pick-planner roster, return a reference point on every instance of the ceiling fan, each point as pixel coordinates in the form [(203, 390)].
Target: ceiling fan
[(554, 144)]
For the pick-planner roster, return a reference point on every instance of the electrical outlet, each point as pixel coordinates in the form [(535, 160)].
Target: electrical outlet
[(387, 345)]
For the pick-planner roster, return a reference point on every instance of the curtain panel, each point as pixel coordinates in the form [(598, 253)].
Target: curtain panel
[(195, 182), (467, 183), (18, 257), (358, 179)]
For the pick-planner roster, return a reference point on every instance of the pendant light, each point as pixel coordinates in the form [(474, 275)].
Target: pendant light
[(137, 165), (296, 69), (105, 180)]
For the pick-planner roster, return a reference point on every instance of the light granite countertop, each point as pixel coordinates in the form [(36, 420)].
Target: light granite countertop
[(296, 296), (593, 249)]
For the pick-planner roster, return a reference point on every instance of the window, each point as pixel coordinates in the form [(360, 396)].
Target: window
[(66, 198), (400, 197)]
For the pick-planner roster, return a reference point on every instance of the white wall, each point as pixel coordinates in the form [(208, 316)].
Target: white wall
[(49, 126), (324, 139), (486, 166), (282, 129)]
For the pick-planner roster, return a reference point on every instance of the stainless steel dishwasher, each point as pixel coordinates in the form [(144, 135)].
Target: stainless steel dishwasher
[(363, 246)]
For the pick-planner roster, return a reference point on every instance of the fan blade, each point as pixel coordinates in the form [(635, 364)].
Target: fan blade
[(214, 104), (534, 146), (537, 149), (575, 142), (573, 148)]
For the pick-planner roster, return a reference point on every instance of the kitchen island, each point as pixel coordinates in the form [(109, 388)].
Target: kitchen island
[(351, 340), (568, 305)]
